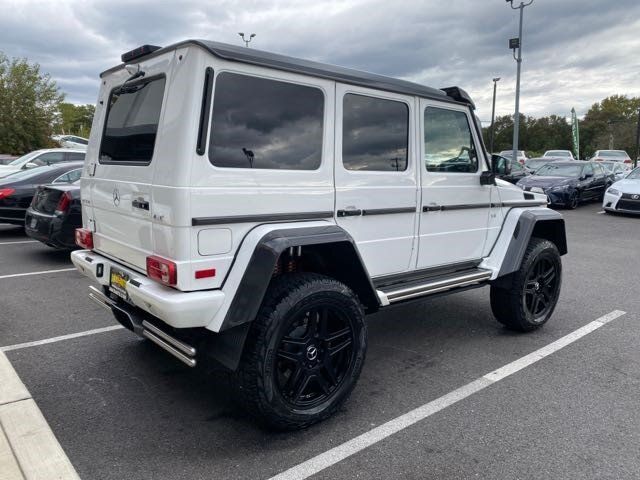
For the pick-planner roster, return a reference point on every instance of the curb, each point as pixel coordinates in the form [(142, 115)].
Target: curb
[(28, 448)]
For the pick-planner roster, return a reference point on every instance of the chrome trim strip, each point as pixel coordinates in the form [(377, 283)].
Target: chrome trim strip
[(277, 217)]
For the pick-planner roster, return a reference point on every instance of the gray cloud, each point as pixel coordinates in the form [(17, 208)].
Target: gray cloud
[(576, 52)]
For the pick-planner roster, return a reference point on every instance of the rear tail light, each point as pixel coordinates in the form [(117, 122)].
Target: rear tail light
[(84, 238), (63, 203), (628, 160), (162, 270), (6, 192)]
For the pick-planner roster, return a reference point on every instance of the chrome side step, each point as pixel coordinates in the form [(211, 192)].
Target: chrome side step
[(436, 285), (183, 352)]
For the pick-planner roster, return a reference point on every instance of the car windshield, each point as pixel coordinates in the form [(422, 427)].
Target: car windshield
[(536, 163), (609, 166), (23, 158), (634, 175), (560, 170), (557, 153), (24, 174), (612, 154)]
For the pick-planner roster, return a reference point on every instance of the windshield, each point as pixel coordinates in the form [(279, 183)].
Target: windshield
[(24, 174), (560, 170), (557, 153), (612, 154), (536, 163), (634, 175), (20, 160), (609, 166)]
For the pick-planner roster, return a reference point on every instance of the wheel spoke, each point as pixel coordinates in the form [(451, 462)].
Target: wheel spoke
[(337, 335), (323, 384), (339, 347), (312, 324), (549, 275), (534, 307), (298, 342), (291, 356), (329, 369), (293, 379), (301, 385)]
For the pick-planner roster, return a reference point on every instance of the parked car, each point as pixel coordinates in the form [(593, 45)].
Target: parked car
[(263, 243), (624, 195), (17, 190), (522, 156), (38, 158), (73, 141), (508, 170), (559, 154), (55, 213), (534, 164), (618, 169), (566, 184), (612, 156)]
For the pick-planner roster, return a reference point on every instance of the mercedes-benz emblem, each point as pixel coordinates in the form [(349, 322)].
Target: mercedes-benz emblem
[(312, 352), (116, 197), (635, 197)]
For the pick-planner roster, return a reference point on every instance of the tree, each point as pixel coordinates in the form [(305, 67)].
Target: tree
[(29, 102), (75, 119)]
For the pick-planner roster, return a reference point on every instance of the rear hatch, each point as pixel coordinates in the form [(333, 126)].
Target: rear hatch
[(47, 197), (120, 162)]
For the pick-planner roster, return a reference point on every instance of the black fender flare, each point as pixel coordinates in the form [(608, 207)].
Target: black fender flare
[(543, 223)]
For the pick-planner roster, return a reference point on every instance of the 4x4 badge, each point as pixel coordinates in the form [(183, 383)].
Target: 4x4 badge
[(116, 197)]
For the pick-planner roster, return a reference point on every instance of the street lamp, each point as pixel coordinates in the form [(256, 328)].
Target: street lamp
[(246, 42), (493, 112), (513, 44)]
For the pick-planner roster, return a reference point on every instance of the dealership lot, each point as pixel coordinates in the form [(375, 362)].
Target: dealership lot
[(121, 408)]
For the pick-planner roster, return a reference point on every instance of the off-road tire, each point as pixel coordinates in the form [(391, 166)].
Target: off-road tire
[(256, 384), (508, 300)]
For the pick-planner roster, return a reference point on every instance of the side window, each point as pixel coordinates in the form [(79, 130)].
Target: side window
[(265, 124), (50, 158), (598, 170), (448, 144), (516, 167), (74, 156), (588, 169), (69, 177), (374, 134)]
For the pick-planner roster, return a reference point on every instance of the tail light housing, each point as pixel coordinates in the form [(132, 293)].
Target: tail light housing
[(162, 270), (628, 160), (6, 192), (84, 238), (63, 204)]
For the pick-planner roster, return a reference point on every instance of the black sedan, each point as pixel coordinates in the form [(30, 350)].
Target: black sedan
[(508, 170), (569, 183), (17, 190), (54, 215)]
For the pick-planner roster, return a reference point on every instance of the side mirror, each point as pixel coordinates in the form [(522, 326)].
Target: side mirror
[(588, 175), (30, 165), (500, 165)]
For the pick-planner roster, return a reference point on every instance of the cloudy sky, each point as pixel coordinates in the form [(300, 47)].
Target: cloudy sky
[(575, 52)]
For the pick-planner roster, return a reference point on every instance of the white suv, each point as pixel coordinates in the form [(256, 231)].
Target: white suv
[(252, 208)]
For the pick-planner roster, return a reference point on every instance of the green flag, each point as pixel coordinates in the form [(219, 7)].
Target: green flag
[(575, 133)]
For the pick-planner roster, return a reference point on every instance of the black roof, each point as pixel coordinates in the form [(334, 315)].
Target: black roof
[(321, 70)]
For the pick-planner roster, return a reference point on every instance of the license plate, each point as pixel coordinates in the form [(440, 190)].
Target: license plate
[(33, 222), (118, 283)]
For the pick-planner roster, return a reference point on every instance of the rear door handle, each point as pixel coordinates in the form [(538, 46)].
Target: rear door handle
[(350, 212)]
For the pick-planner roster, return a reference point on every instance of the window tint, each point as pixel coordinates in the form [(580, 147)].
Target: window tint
[(73, 156), (588, 169), (374, 134), (448, 144), (49, 158), (132, 122), (260, 123), (598, 170)]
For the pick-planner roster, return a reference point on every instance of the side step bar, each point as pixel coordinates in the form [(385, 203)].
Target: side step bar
[(183, 352), (436, 285)]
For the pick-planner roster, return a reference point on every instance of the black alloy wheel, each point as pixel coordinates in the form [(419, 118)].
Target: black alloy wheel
[(314, 356), (574, 199), (541, 287)]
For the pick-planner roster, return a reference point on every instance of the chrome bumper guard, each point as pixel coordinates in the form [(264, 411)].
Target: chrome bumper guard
[(183, 352)]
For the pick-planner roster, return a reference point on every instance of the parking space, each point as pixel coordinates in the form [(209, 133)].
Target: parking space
[(121, 408)]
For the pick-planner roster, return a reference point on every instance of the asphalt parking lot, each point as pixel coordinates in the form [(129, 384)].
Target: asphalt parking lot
[(121, 408)]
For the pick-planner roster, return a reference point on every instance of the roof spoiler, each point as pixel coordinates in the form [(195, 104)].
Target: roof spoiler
[(459, 95)]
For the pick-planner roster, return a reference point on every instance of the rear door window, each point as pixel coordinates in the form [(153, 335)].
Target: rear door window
[(131, 124), (265, 124)]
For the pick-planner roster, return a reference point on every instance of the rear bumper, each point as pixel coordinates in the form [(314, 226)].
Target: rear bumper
[(49, 229), (175, 308)]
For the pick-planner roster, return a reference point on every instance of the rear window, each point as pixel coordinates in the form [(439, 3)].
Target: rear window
[(265, 124), (133, 113)]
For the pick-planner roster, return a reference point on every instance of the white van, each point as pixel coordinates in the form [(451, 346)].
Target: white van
[(252, 208)]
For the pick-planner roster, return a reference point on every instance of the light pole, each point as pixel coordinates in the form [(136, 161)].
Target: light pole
[(518, 45), (246, 42), (493, 112)]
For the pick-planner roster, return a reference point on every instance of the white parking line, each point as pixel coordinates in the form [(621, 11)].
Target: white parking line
[(19, 346), (357, 444), (14, 275), (20, 241)]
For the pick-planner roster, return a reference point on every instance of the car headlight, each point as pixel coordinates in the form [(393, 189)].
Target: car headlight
[(537, 190), (613, 191), (559, 188)]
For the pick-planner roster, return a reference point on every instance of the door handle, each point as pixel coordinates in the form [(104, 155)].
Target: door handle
[(349, 212), (140, 203)]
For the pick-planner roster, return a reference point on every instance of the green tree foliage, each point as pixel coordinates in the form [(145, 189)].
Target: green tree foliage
[(29, 103), (75, 119), (614, 120)]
